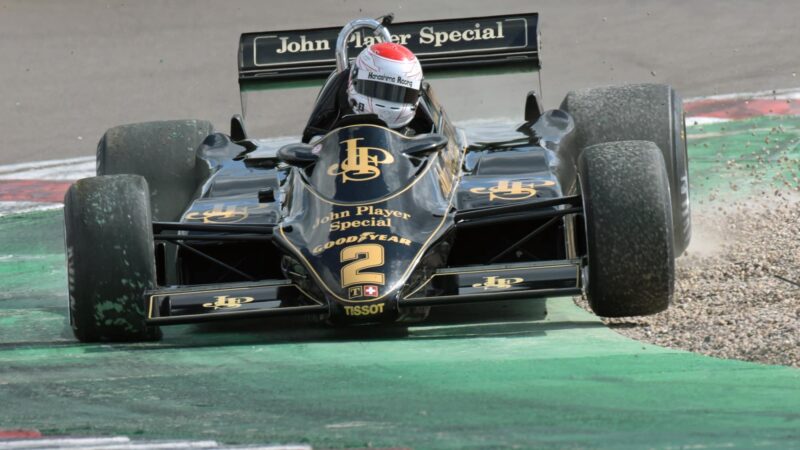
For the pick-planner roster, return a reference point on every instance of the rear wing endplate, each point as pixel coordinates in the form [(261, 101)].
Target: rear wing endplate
[(453, 47)]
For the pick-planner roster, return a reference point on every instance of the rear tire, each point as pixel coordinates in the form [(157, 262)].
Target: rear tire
[(628, 218), (110, 258), (164, 153), (646, 112)]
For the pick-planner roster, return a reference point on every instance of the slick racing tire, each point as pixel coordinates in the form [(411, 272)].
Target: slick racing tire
[(110, 258), (163, 153), (647, 112), (628, 219)]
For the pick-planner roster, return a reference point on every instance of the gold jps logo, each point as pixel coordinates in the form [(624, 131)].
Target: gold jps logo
[(511, 190), (361, 163), (225, 302), (497, 283), (220, 214)]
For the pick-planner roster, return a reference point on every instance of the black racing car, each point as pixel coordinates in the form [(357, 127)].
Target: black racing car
[(358, 224)]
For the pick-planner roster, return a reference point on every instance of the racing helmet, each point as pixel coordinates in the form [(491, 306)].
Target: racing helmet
[(385, 80)]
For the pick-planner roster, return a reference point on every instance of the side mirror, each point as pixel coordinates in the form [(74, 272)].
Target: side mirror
[(533, 107), (238, 132), (424, 144), (299, 155)]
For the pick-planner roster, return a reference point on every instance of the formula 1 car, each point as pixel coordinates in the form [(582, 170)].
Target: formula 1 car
[(358, 224)]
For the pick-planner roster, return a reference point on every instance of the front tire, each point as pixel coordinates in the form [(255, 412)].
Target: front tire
[(110, 258), (628, 219)]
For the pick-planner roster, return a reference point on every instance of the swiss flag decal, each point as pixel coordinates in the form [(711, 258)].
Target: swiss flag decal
[(370, 290)]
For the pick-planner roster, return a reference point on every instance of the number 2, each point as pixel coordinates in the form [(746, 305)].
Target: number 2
[(363, 256)]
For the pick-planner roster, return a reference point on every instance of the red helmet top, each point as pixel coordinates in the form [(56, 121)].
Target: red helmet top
[(393, 51)]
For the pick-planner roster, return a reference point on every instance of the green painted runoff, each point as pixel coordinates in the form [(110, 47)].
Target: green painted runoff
[(752, 156)]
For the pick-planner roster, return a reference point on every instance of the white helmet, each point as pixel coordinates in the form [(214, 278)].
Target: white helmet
[(384, 80)]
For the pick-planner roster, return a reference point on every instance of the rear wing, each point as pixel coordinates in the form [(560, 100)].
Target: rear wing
[(454, 47)]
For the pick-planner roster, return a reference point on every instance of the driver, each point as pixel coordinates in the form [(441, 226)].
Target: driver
[(385, 80)]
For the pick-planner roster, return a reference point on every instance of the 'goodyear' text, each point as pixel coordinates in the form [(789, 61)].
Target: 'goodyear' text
[(366, 236)]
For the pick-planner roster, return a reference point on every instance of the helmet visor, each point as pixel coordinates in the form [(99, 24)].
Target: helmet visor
[(386, 91)]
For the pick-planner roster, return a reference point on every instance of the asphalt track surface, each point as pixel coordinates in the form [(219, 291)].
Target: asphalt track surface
[(70, 70)]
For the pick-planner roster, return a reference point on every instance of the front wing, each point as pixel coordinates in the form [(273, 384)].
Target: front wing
[(518, 281)]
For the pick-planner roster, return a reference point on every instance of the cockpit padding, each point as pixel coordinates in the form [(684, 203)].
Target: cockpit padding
[(331, 101)]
